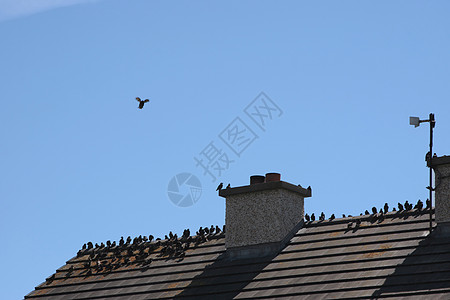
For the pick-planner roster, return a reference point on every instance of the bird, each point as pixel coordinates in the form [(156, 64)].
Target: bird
[(428, 203), (220, 186), (343, 215), (322, 216), (313, 217), (307, 218), (141, 102), (386, 208), (419, 205), (332, 217), (366, 212), (228, 186), (374, 210), (400, 207), (407, 205)]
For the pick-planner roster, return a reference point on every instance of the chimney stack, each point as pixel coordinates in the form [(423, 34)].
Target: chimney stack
[(441, 167), (263, 216)]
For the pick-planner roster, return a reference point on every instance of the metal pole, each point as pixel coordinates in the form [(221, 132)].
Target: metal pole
[(431, 170)]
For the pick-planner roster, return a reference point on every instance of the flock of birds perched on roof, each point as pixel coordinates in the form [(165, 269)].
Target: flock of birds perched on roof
[(112, 255), (375, 212)]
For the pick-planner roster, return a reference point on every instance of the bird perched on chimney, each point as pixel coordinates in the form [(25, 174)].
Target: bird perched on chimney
[(307, 218), (141, 102), (220, 186), (322, 217)]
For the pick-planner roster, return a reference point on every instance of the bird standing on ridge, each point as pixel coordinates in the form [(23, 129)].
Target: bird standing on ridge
[(220, 186), (228, 186), (141, 102), (307, 218)]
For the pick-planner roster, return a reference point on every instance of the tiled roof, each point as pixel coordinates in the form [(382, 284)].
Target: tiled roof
[(385, 256)]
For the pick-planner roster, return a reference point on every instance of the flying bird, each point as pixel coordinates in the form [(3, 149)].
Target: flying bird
[(141, 102)]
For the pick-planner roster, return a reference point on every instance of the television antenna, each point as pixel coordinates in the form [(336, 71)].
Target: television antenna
[(416, 122)]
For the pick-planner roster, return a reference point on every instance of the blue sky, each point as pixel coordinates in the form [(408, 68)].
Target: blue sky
[(80, 162)]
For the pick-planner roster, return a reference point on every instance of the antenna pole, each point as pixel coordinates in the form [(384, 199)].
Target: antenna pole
[(432, 123)]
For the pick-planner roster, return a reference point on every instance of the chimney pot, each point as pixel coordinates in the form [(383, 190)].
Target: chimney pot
[(257, 179), (270, 177)]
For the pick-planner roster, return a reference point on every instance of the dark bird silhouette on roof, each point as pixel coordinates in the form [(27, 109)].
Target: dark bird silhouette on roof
[(419, 205), (407, 205), (428, 203), (220, 186), (332, 217), (400, 207), (313, 217), (307, 218), (228, 186), (386, 208), (141, 102), (322, 216), (367, 212), (374, 210)]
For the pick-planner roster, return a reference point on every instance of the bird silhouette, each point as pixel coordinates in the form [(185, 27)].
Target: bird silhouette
[(386, 208), (367, 212), (141, 102), (400, 206), (322, 216), (307, 218), (332, 217), (228, 186), (313, 217), (374, 210), (419, 205), (407, 205), (220, 186), (428, 203)]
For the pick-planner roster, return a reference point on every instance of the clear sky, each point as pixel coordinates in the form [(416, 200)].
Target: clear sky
[(80, 162)]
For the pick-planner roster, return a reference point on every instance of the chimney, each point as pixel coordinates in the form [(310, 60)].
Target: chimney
[(263, 216), (441, 167)]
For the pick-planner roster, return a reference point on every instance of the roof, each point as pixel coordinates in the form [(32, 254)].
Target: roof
[(385, 256)]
